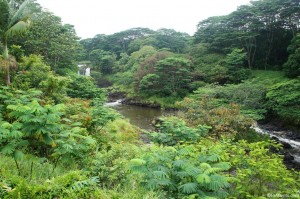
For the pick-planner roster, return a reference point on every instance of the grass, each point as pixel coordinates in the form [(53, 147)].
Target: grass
[(268, 77)]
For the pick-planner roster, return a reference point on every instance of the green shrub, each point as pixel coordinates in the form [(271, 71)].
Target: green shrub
[(110, 165), (224, 120), (284, 100), (172, 131), (292, 66), (182, 172), (259, 172), (84, 87)]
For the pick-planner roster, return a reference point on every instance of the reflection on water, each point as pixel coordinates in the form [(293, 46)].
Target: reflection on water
[(139, 116), (142, 117)]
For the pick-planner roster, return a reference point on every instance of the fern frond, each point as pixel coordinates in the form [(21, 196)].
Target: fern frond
[(214, 158), (212, 170), (217, 182), (182, 174), (152, 184), (6, 125), (220, 194), (179, 163), (188, 188), (160, 174), (205, 166), (77, 186), (164, 182), (203, 178), (15, 134), (193, 171), (137, 162), (8, 149), (186, 151), (47, 139), (224, 166)]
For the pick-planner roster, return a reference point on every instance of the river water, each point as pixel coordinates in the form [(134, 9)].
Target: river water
[(139, 116), (143, 117), (281, 136)]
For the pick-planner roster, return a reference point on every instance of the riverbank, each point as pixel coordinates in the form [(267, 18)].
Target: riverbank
[(290, 140), (166, 103), (290, 148)]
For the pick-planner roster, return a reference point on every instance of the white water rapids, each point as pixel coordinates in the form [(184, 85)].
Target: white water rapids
[(280, 135)]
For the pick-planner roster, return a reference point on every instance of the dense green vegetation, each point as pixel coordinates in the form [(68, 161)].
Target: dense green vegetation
[(59, 140)]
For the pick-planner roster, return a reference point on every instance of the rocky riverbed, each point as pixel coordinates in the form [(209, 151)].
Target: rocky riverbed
[(290, 143)]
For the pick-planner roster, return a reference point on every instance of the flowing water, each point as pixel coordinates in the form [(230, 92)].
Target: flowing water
[(143, 117), (281, 136)]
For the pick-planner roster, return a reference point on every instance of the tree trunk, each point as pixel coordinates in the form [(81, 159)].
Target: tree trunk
[(5, 56), (7, 76), (249, 45)]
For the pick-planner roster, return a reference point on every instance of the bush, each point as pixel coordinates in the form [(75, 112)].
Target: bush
[(110, 166), (225, 121), (84, 87), (284, 100), (172, 131), (259, 172), (182, 172)]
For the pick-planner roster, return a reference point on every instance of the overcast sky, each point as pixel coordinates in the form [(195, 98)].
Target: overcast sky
[(91, 17)]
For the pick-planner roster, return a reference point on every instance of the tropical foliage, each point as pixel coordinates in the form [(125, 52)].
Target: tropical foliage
[(58, 139)]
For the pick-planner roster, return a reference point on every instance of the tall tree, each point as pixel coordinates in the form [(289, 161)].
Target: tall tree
[(14, 20), (292, 66), (263, 29), (56, 42)]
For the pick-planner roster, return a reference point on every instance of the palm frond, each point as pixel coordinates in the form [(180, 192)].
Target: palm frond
[(4, 14), (18, 28), (25, 10)]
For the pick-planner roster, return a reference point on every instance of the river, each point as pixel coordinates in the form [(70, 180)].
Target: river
[(143, 117), (139, 116)]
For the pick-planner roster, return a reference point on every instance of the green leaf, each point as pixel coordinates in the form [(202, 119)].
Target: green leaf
[(214, 158), (8, 149), (189, 188), (6, 125), (212, 170), (15, 134), (47, 139), (76, 124), (223, 165), (217, 182), (179, 163), (203, 178), (18, 155), (160, 174), (137, 162), (205, 166)]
